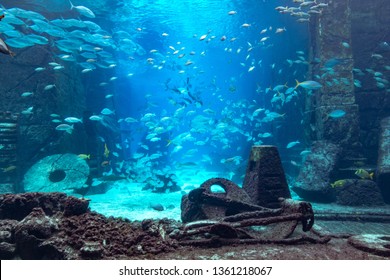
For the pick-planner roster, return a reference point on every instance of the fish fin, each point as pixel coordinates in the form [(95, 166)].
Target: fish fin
[(70, 130), (297, 84)]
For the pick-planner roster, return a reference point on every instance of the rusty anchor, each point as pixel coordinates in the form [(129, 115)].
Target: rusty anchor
[(236, 215)]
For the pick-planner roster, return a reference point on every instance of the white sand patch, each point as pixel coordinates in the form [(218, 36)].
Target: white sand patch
[(128, 200)]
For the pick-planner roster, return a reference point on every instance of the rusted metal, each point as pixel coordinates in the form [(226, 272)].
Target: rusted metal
[(227, 216), (238, 214)]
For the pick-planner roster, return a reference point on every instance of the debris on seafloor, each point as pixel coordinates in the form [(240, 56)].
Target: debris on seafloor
[(57, 226), (57, 173), (231, 218), (235, 216)]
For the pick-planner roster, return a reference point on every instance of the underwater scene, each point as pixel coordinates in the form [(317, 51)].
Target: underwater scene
[(137, 128)]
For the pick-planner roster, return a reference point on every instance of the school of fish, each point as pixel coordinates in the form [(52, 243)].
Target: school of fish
[(186, 130)]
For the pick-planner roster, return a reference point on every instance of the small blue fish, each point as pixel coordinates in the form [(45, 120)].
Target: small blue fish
[(337, 114), (82, 10), (18, 43), (290, 90), (334, 62), (312, 85), (279, 87), (292, 144)]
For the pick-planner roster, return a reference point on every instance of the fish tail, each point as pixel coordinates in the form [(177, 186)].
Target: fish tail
[(372, 176), (71, 5), (70, 129), (297, 84)]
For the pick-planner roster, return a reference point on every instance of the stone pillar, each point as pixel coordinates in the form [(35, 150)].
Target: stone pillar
[(264, 179), (330, 34), (383, 170), (370, 25), (9, 173)]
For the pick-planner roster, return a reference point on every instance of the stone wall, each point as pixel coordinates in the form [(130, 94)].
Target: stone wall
[(329, 31), (37, 135), (363, 25), (370, 29)]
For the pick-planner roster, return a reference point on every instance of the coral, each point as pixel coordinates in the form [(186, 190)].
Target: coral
[(31, 231), (57, 226)]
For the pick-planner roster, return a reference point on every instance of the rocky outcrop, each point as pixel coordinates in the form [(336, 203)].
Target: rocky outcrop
[(57, 226), (355, 192), (316, 175)]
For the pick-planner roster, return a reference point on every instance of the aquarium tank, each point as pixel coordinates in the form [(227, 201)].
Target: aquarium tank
[(199, 110)]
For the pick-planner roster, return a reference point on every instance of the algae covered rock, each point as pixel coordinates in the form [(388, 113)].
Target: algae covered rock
[(57, 173), (313, 182), (356, 192)]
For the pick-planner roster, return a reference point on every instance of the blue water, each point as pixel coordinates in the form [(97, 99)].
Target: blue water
[(218, 77), (194, 104)]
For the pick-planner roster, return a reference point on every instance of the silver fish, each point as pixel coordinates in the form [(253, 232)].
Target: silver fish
[(5, 49), (83, 10)]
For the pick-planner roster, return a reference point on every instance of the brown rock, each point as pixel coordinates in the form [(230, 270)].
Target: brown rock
[(7, 251), (31, 231), (92, 250), (75, 206)]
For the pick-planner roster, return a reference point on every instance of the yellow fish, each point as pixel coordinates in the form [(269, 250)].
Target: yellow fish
[(364, 174), (338, 183), (84, 156), (9, 168), (106, 151)]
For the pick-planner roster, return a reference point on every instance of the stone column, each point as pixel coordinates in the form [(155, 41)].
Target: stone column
[(383, 170), (331, 47)]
